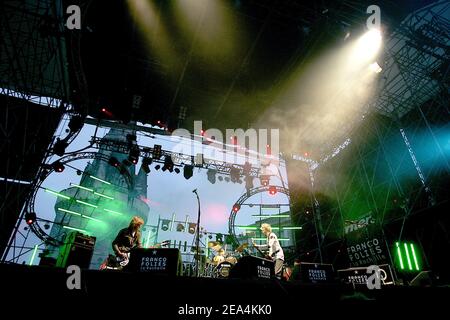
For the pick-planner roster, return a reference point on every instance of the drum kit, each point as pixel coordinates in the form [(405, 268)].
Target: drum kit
[(222, 262)]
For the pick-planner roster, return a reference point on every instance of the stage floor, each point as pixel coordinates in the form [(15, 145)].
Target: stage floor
[(48, 286)]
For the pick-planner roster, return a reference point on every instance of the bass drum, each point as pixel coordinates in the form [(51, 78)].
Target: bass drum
[(231, 260), (223, 269)]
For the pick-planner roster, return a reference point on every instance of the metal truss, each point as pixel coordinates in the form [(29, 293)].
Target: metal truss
[(413, 94), (32, 49), (178, 159)]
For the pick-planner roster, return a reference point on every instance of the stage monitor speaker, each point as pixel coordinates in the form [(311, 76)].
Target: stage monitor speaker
[(359, 275), (251, 267), (158, 261), (423, 279), (77, 250), (314, 273)]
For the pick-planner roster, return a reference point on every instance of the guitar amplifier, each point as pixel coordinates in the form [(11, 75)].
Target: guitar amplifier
[(76, 250), (158, 261), (359, 275), (251, 267), (314, 273)]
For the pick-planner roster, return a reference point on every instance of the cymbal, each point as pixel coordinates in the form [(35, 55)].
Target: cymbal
[(214, 245), (242, 247)]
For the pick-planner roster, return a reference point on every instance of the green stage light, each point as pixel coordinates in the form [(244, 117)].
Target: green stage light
[(406, 252), (81, 187), (57, 194), (414, 257), (75, 229), (104, 196), (98, 179), (112, 211), (87, 204), (407, 256), (69, 211), (90, 218), (33, 255)]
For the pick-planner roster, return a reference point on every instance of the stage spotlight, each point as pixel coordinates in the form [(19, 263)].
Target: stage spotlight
[(114, 162), (59, 148), (264, 179), (30, 217), (168, 164), (375, 67), (220, 178), (157, 151), (157, 167), (188, 171), (235, 174), (58, 166), (75, 123), (368, 45), (146, 162), (46, 226), (272, 190), (177, 171), (212, 175), (236, 207), (134, 154)]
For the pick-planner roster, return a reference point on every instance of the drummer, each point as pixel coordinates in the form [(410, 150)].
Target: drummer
[(220, 257)]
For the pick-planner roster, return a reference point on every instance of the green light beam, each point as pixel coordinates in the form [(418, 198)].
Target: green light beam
[(407, 256), (98, 179), (69, 211), (81, 187), (399, 253), (57, 194), (112, 211), (104, 196), (34, 255), (75, 229), (86, 204), (414, 257)]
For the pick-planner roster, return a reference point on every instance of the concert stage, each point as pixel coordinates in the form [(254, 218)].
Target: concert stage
[(42, 286)]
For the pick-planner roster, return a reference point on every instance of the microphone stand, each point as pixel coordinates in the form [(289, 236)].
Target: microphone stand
[(198, 234)]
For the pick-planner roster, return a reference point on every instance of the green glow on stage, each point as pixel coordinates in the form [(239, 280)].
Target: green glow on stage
[(90, 218), (57, 194)]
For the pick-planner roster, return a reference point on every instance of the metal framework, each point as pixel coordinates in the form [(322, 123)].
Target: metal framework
[(241, 200), (381, 152)]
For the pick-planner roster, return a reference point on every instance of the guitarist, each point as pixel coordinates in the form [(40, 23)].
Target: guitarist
[(128, 238), (274, 248)]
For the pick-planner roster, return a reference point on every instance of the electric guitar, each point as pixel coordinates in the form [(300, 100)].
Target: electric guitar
[(123, 261), (266, 256)]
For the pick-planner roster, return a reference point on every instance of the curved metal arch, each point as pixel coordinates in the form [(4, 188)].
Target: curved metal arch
[(241, 200), (35, 227)]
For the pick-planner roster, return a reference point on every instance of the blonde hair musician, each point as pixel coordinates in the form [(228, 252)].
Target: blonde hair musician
[(274, 248)]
